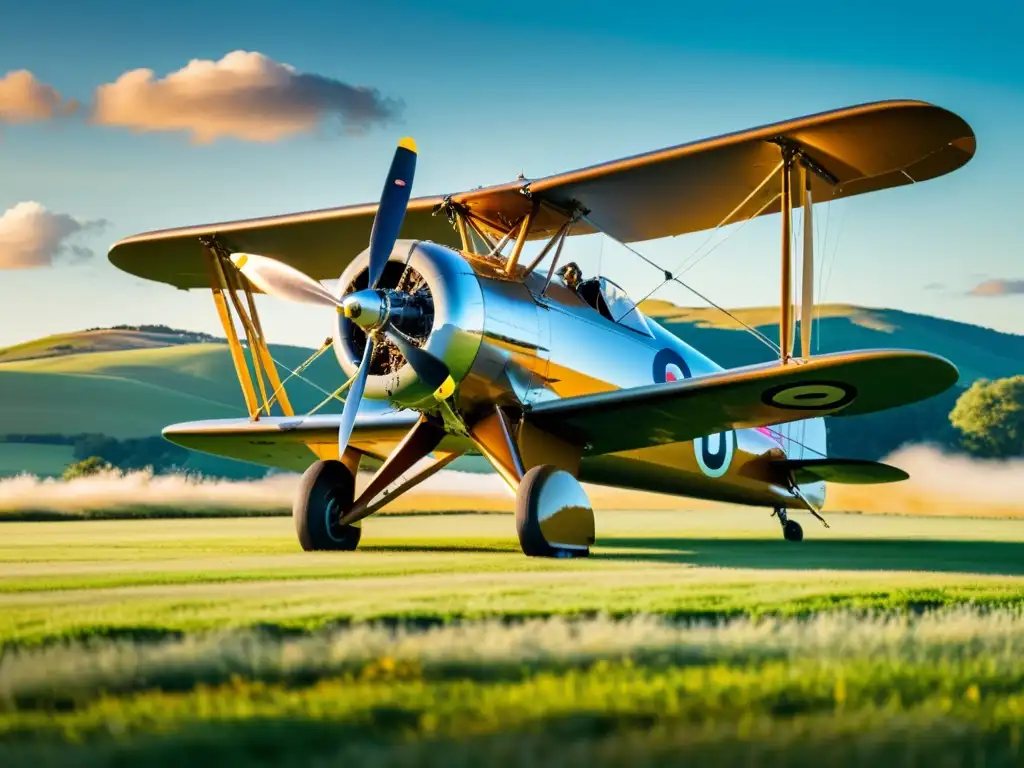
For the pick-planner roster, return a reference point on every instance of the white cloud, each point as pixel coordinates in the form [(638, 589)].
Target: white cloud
[(997, 288), (32, 236), (24, 99), (245, 95)]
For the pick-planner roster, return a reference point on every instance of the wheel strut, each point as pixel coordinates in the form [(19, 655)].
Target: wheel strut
[(791, 530)]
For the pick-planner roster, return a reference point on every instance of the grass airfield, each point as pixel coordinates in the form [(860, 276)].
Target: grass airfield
[(702, 633)]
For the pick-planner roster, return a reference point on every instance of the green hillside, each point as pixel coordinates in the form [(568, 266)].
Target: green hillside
[(101, 340), (128, 384), (131, 382), (978, 352)]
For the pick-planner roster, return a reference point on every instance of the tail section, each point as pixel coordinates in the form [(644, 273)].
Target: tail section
[(847, 471), (805, 441), (809, 465)]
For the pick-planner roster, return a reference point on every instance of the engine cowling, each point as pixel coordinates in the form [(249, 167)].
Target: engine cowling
[(434, 298)]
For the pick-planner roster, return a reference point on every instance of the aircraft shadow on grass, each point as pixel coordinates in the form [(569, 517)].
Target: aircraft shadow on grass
[(979, 557), (995, 558)]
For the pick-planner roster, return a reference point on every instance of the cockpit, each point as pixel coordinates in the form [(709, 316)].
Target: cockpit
[(606, 297)]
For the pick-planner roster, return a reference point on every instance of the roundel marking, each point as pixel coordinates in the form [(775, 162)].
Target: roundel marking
[(714, 453), (669, 365), (810, 395)]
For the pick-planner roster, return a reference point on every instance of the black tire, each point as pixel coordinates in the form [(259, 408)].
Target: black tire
[(531, 539), (792, 531), (326, 491)]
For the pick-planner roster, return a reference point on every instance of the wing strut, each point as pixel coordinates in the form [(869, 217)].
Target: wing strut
[(224, 281), (807, 279), (786, 303), (787, 315)]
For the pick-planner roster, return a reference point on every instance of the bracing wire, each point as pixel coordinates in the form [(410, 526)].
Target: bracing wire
[(662, 284), (682, 267), (780, 436), (297, 372), (835, 249), (756, 333), (299, 376), (744, 223)]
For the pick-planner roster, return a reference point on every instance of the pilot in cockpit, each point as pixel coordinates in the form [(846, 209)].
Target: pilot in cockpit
[(571, 275), (588, 290)]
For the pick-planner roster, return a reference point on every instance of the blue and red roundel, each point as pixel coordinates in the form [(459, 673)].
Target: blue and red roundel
[(669, 365), (714, 452)]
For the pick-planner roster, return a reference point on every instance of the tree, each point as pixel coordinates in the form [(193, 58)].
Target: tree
[(93, 465), (876, 435), (990, 417)]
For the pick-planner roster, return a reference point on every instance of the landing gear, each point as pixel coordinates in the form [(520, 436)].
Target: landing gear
[(553, 514), (791, 530), (325, 493)]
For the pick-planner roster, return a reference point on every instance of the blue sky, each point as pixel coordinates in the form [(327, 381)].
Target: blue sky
[(491, 91)]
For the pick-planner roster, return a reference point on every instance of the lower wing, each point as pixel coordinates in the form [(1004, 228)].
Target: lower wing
[(292, 442), (841, 384)]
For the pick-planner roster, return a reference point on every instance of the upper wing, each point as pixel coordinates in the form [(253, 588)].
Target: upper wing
[(843, 384), (693, 187), (681, 189), (319, 243)]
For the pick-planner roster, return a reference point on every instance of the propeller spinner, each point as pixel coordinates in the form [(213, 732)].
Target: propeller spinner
[(373, 310)]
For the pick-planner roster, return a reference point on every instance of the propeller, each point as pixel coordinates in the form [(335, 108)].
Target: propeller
[(370, 309)]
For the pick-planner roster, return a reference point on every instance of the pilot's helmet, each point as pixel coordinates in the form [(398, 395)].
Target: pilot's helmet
[(571, 273)]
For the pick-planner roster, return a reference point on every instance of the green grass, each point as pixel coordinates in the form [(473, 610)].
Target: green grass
[(158, 577), (887, 640), (943, 687)]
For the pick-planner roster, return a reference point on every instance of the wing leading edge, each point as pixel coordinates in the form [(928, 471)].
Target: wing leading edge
[(841, 384)]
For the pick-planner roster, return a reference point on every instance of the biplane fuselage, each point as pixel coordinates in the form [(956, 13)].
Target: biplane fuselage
[(522, 340), (452, 346)]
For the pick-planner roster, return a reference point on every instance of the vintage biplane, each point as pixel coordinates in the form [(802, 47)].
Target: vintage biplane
[(450, 343)]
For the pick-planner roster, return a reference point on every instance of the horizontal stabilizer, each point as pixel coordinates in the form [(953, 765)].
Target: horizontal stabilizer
[(846, 471)]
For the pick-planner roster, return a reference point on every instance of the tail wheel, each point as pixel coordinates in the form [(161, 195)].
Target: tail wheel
[(325, 493), (792, 531), (553, 514)]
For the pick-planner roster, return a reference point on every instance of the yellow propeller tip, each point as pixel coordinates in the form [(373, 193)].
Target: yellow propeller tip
[(445, 390), (408, 143), (239, 259)]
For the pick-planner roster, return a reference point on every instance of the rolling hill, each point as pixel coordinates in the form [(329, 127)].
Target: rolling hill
[(978, 352), (130, 382)]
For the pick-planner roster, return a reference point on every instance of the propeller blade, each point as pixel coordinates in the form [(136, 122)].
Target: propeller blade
[(277, 279), (355, 394), (391, 211), (429, 368)]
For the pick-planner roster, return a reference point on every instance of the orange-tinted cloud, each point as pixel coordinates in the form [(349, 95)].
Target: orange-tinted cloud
[(245, 95), (997, 288), (24, 99), (32, 236)]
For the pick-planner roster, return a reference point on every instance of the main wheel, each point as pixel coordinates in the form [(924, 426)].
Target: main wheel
[(553, 514), (792, 531), (326, 492)]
